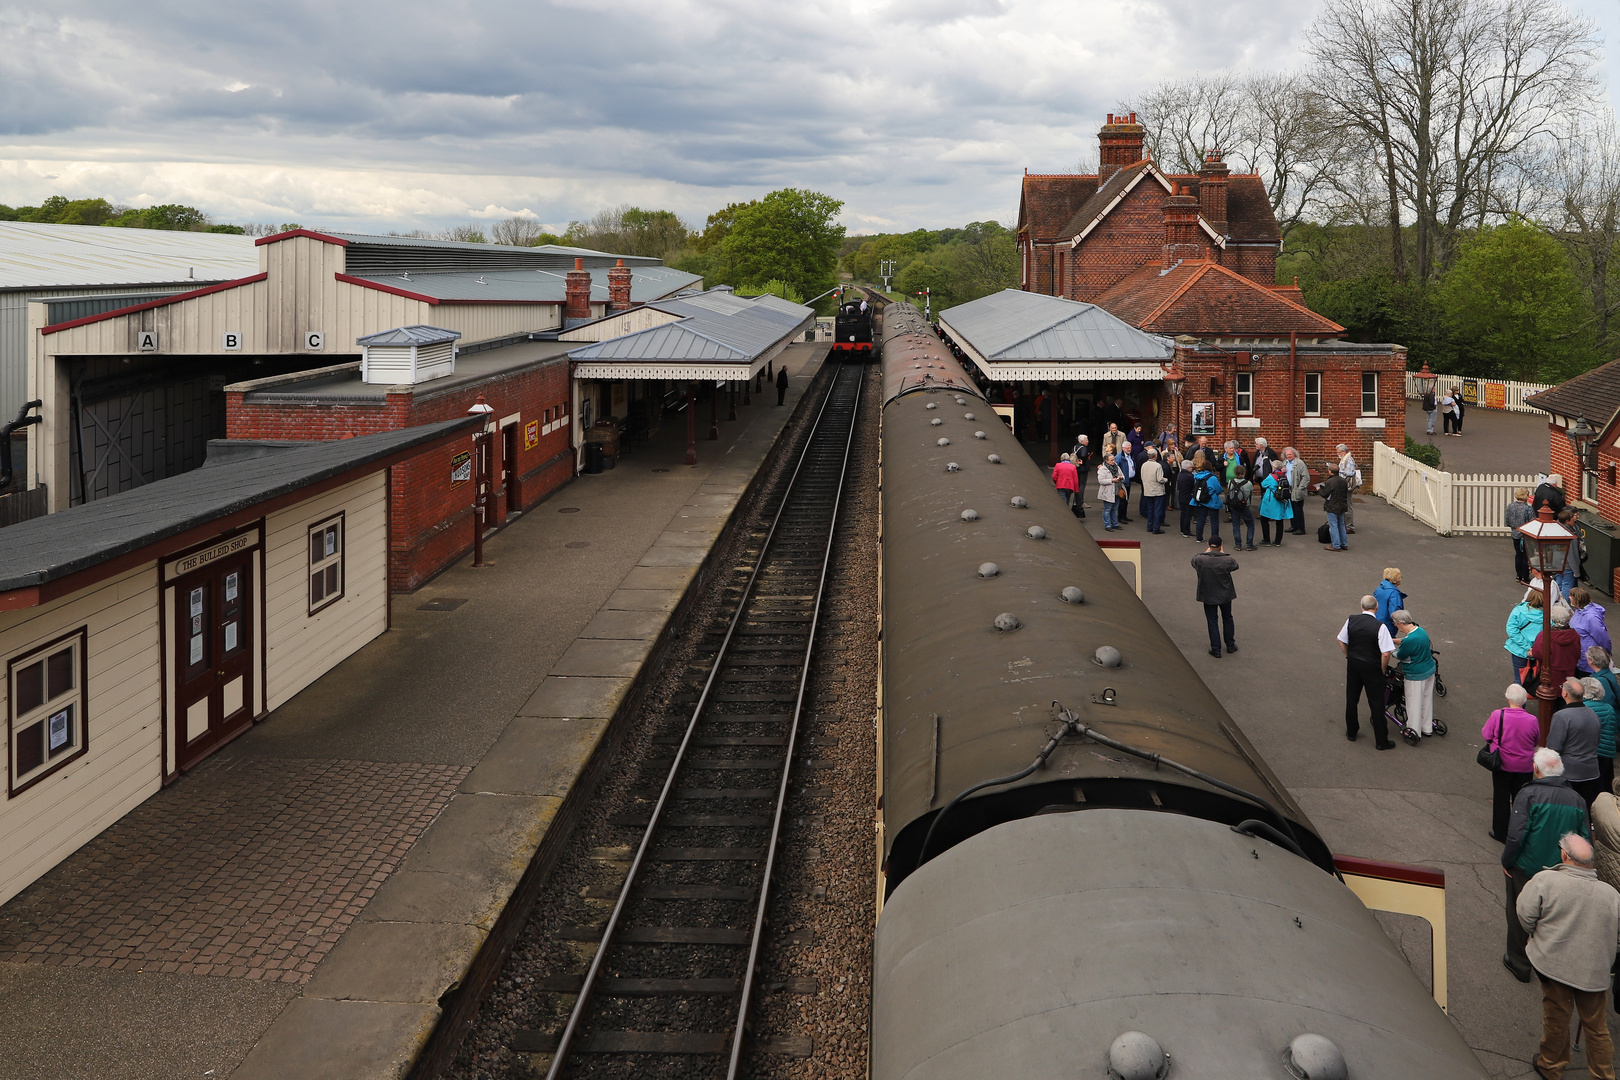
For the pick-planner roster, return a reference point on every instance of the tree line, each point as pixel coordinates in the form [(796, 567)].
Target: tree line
[(952, 266), (1446, 174), (171, 217)]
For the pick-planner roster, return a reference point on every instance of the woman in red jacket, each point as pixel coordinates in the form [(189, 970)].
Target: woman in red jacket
[(1566, 649), (1067, 480)]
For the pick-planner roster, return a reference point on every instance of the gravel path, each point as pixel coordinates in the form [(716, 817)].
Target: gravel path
[(817, 984)]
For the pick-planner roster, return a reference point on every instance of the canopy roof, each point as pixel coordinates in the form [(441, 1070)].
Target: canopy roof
[(1014, 335)]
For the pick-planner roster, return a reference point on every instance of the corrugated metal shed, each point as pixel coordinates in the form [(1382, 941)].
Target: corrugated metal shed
[(647, 283), (35, 256)]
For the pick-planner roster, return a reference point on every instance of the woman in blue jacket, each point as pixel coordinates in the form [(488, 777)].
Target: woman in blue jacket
[(1389, 596), (1523, 624), (1274, 510)]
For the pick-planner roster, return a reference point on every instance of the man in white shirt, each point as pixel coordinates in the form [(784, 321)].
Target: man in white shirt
[(1367, 647)]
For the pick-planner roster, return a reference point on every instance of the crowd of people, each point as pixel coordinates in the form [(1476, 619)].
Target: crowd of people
[(1207, 485)]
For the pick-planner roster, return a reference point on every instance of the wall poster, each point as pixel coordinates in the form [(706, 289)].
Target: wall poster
[(1203, 418)]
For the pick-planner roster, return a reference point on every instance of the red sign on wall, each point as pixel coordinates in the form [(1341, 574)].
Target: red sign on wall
[(531, 435)]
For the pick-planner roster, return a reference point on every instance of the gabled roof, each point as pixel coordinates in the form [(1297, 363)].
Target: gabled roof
[(1106, 196), (537, 286), (1014, 325), (410, 335), (40, 256), (48, 548), (714, 326), (1202, 297), (1047, 202), (1593, 394)]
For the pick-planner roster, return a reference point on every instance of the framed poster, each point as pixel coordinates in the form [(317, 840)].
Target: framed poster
[(531, 435), (1203, 418), (460, 468)]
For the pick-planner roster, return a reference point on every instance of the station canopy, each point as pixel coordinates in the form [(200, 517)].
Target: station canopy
[(1015, 335), (712, 335)]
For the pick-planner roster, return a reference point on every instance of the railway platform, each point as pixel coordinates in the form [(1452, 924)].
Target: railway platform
[(307, 902)]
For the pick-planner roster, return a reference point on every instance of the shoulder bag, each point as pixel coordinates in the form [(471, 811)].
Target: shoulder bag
[(1490, 755)]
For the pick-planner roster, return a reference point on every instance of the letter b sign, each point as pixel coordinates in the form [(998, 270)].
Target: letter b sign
[(231, 341)]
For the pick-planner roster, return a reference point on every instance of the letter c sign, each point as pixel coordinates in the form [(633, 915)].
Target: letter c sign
[(314, 341)]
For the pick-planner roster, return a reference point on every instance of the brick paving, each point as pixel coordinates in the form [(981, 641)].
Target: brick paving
[(249, 869)]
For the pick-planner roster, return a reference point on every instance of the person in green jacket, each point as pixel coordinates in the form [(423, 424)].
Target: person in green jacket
[(1523, 624), (1597, 699), (1543, 811), (1418, 668)]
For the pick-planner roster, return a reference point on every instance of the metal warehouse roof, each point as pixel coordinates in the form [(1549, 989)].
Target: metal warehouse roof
[(51, 547), (647, 283), (716, 328), (39, 256), (1023, 335), (549, 251)]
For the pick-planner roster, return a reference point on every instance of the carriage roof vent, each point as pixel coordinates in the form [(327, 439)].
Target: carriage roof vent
[(1314, 1057), (1136, 1055)]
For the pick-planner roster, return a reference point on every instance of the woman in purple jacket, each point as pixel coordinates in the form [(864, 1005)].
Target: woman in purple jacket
[(1587, 619), (1513, 732)]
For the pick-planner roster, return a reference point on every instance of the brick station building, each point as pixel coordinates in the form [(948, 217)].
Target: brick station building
[(1193, 257)]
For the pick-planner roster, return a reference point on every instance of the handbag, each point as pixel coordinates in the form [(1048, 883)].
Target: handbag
[(1490, 755)]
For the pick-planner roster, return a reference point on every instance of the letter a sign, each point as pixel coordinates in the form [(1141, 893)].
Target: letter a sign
[(146, 340)]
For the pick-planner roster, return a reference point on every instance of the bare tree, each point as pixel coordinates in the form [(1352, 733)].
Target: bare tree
[(1295, 149), (1586, 178), (466, 234), (516, 231), (1447, 91), (1185, 118)]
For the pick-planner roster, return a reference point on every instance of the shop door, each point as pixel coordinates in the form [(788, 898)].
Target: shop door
[(509, 471), (213, 657)]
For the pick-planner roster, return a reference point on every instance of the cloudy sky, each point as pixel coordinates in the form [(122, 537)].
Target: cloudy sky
[(377, 115)]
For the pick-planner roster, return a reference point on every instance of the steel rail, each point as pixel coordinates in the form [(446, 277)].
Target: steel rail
[(793, 738), (581, 1004)]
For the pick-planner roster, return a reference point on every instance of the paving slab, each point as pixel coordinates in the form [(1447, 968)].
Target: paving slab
[(296, 906)]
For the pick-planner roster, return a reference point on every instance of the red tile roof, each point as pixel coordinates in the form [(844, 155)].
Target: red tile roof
[(1200, 297), (1106, 194), (1594, 394), (1047, 202)]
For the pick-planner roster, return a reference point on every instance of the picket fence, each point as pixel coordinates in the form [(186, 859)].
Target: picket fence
[(1483, 393), (1452, 505)]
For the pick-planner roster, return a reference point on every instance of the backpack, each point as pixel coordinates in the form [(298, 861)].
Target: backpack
[(1428, 401), (1207, 493), (1238, 494), (1284, 492)]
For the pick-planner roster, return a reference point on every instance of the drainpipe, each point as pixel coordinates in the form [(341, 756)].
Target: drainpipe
[(22, 421)]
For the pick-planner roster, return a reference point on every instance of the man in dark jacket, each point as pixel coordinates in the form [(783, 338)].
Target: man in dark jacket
[(1184, 494), (1336, 496), (1550, 494), (1574, 734), (1367, 648), (1543, 811), (781, 384), (1215, 591)]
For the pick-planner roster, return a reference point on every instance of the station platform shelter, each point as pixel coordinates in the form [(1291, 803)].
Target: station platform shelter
[(1061, 365)]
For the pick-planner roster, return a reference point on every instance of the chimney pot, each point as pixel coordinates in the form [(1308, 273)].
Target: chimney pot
[(1120, 144), (577, 290)]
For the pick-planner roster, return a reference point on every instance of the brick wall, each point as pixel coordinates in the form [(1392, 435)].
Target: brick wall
[(1279, 405), (1132, 234), (1257, 263), (430, 525)]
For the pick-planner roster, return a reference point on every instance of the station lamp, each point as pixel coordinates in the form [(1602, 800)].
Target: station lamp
[(1425, 379), (1581, 436), (1546, 545), (1175, 381), (481, 463)]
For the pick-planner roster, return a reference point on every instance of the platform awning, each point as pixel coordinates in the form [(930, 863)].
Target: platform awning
[(1014, 335), (718, 335)]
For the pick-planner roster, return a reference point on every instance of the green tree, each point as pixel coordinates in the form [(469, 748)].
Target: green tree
[(171, 217), (788, 235), (1515, 307), (928, 272)]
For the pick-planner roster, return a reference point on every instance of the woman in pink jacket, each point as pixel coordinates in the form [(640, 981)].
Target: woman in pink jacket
[(1512, 732), (1067, 479)]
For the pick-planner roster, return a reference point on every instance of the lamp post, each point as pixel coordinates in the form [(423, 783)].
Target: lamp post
[(1546, 544), (1426, 380), (1581, 435), (480, 409), (1174, 380)]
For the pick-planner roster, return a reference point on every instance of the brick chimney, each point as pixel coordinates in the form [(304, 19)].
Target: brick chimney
[(619, 287), (578, 292), (1212, 191), (1119, 144), (1181, 228)]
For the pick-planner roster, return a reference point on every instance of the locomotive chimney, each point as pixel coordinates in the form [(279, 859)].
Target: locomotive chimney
[(1119, 144), (578, 291)]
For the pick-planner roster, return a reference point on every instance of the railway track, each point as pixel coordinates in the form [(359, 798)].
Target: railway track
[(671, 980)]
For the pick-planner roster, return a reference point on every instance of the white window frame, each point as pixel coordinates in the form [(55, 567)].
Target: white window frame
[(69, 706), (1365, 375), (1243, 393), (332, 557), (1316, 378)]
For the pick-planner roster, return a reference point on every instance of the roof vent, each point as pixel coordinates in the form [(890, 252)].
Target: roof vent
[(944, 442), (931, 405), (936, 421), (951, 466), (988, 569), (1108, 656), (994, 459), (1314, 1057), (1072, 595), (970, 515), (1037, 533), (978, 434), (407, 354), (1019, 501), (969, 416), (1136, 1055), (1007, 621)]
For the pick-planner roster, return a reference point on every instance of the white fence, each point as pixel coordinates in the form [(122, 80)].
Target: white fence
[(1482, 393), (1452, 505)]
